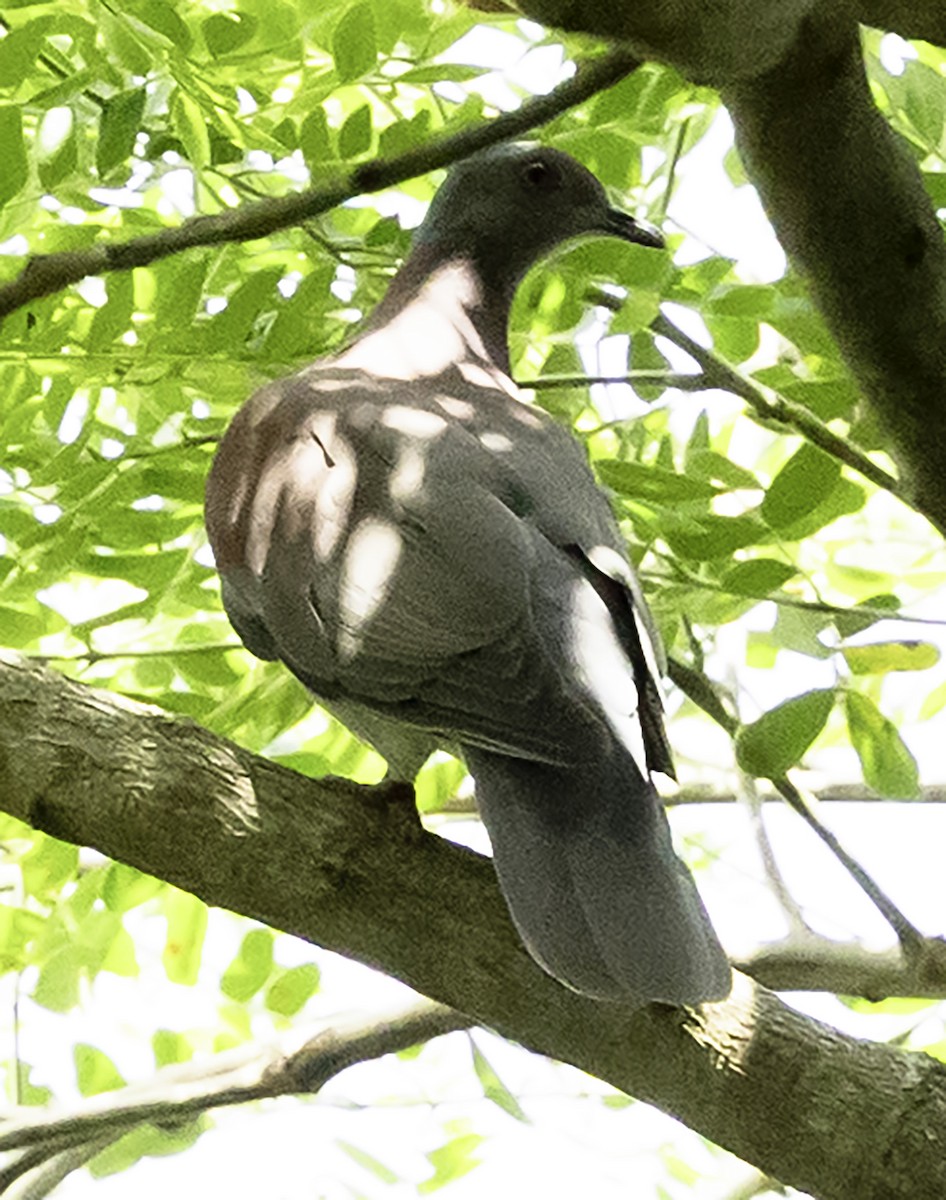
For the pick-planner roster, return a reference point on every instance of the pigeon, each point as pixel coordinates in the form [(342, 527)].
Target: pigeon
[(430, 554)]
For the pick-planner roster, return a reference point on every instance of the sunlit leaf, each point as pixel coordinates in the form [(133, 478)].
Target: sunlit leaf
[(184, 945), (493, 1087), (757, 576), (251, 967), (368, 1162), (95, 1071), (451, 1161), (807, 479), (881, 657), (888, 765), (12, 152), (779, 738), (292, 988), (118, 129), (354, 46)]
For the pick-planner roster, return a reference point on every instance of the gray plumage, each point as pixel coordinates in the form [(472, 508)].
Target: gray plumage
[(433, 559)]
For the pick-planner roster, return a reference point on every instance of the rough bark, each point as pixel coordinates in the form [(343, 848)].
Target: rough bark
[(350, 868), (849, 207), (727, 40)]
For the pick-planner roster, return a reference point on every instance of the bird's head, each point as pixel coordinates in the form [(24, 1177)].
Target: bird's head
[(510, 205)]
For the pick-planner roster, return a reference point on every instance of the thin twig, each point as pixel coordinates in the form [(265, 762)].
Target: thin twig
[(43, 1179), (45, 274), (91, 657), (685, 381), (838, 793), (186, 1090), (784, 601), (719, 374), (703, 694), (796, 921)]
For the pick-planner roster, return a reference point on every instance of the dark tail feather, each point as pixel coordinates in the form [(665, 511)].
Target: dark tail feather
[(593, 884)]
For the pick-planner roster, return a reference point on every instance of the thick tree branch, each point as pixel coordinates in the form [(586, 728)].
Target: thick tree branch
[(848, 205), (46, 274), (728, 40), (350, 868)]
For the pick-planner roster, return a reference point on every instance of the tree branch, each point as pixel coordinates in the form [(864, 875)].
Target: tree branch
[(46, 274), (238, 1076), (848, 204), (816, 964), (351, 869), (778, 410)]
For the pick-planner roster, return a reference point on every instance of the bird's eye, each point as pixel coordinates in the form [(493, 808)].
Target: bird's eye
[(541, 175)]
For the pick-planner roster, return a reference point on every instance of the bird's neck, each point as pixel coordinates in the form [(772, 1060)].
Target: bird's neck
[(442, 309)]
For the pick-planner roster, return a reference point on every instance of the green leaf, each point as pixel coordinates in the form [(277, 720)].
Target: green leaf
[(146, 1140), (48, 866), (190, 124), (652, 483), (187, 925), (709, 537), (451, 1161), (18, 928), (114, 317), (56, 146), (779, 738), (231, 327), (225, 32), (161, 17), (57, 987), (807, 479), (742, 300), (315, 140), (126, 887), (118, 129), (170, 1047), (15, 170), (442, 73), (888, 766), (251, 967), (355, 44), (493, 1087), (757, 577), (26, 1091), (933, 703), (291, 990), (368, 1161), (854, 621), (707, 464), (354, 137), (880, 657), (95, 1071)]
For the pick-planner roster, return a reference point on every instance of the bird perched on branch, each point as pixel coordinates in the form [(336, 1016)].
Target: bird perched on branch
[(431, 557)]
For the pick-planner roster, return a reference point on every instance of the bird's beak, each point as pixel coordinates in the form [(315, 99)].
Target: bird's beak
[(621, 225)]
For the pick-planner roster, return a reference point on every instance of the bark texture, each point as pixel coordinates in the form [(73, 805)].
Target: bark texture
[(848, 205), (350, 868)]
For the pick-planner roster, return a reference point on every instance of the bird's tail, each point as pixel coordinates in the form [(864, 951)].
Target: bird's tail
[(588, 869)]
